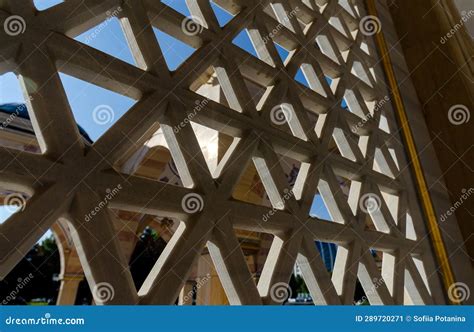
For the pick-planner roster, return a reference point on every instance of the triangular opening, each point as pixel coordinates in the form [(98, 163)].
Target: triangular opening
[(95, 109), (243, 41), (17, 131), (209, 85), (283, 116), (174, 50), (360, 298), (223, 16), (299, 293), (154, 160), (179, 6), (204, 286), (337, 23), (382, 164), (326, 47), (319, 209), (282, 52), (351, 101), (250, 188), (45, 4), (32, 281), (359, 71), (11, 202), (217, 148), (109, 38), (151, 242)]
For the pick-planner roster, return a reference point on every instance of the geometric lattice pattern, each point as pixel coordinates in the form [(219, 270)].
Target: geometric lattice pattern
[(339, 126)]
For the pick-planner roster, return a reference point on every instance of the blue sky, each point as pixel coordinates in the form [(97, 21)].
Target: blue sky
[(84, 97)]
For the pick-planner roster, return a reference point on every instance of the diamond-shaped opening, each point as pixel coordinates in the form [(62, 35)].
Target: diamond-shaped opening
[(16, 129), (223, 16), (45, 4), (174, 50), (109, 38), (150, 243), (95, 109), (31, 281), (179, 6)]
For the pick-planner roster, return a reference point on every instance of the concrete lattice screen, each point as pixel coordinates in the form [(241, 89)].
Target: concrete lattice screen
[(359, 144)]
